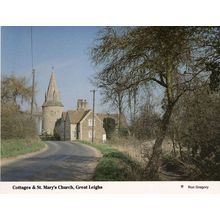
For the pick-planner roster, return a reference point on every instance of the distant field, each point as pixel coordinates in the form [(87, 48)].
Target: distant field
[(16, 147)]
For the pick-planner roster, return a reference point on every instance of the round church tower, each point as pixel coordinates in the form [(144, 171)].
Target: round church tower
[(52, 108)]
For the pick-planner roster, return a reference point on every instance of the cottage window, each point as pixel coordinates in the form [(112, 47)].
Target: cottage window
[(90, 134), (90, 122), (74, 133)]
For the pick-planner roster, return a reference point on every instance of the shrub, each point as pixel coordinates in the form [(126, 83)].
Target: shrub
[(17, 125)]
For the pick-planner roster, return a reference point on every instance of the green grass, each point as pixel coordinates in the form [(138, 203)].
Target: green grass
[(115, 165), (16, 147)]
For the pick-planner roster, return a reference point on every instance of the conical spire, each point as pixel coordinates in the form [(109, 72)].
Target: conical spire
[(52, 97)]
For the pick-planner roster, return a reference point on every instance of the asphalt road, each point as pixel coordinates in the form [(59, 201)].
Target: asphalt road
[(62, 161)]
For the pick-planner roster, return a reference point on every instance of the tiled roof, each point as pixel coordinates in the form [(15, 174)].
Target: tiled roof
[(76, 116)]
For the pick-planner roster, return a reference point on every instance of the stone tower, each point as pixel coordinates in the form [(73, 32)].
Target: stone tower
[(52, 108)]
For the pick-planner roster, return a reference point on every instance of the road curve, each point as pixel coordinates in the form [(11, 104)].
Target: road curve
[(62, 161)]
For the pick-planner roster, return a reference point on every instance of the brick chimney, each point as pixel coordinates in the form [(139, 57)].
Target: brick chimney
[(82, 104)]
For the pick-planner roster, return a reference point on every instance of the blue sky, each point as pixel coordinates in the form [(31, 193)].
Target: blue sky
[(65, 48)]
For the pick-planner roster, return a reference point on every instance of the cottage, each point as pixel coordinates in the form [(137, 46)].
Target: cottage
[(77, 124)]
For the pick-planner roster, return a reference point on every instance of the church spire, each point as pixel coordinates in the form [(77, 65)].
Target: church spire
[(52, 97)]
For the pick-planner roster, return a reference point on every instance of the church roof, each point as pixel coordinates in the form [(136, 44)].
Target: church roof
[(52, 97)]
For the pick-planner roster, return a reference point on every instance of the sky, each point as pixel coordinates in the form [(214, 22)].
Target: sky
[(64, 48)]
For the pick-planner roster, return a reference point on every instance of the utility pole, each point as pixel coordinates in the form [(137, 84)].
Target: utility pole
[(33, 78), (33, 92), (93, 113)]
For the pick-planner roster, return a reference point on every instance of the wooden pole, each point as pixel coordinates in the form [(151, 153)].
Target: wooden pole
[(33, 77), (33, 92), (93, 113)]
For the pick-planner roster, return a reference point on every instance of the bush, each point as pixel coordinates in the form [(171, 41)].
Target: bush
[(17, 125), (109, 126), (15, 92), (145, 126), (202, 131), (195, 130), (206, 169)]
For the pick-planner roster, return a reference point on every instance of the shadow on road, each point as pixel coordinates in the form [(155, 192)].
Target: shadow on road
[(51, 168)]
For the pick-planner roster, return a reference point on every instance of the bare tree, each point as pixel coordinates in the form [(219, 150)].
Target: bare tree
[(15, 123), (170, 57), (113, 94)]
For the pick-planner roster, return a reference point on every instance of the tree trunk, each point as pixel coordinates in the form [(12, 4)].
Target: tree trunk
[(119, 112), (151, 171), (181, 151), (174, 147)]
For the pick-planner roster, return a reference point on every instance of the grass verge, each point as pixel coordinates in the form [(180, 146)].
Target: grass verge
[(16, 147), (115, 165)]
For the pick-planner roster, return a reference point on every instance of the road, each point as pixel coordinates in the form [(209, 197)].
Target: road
[(62, 161)]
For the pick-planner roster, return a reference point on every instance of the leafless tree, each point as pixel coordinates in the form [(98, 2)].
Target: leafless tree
[(170, 57)]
